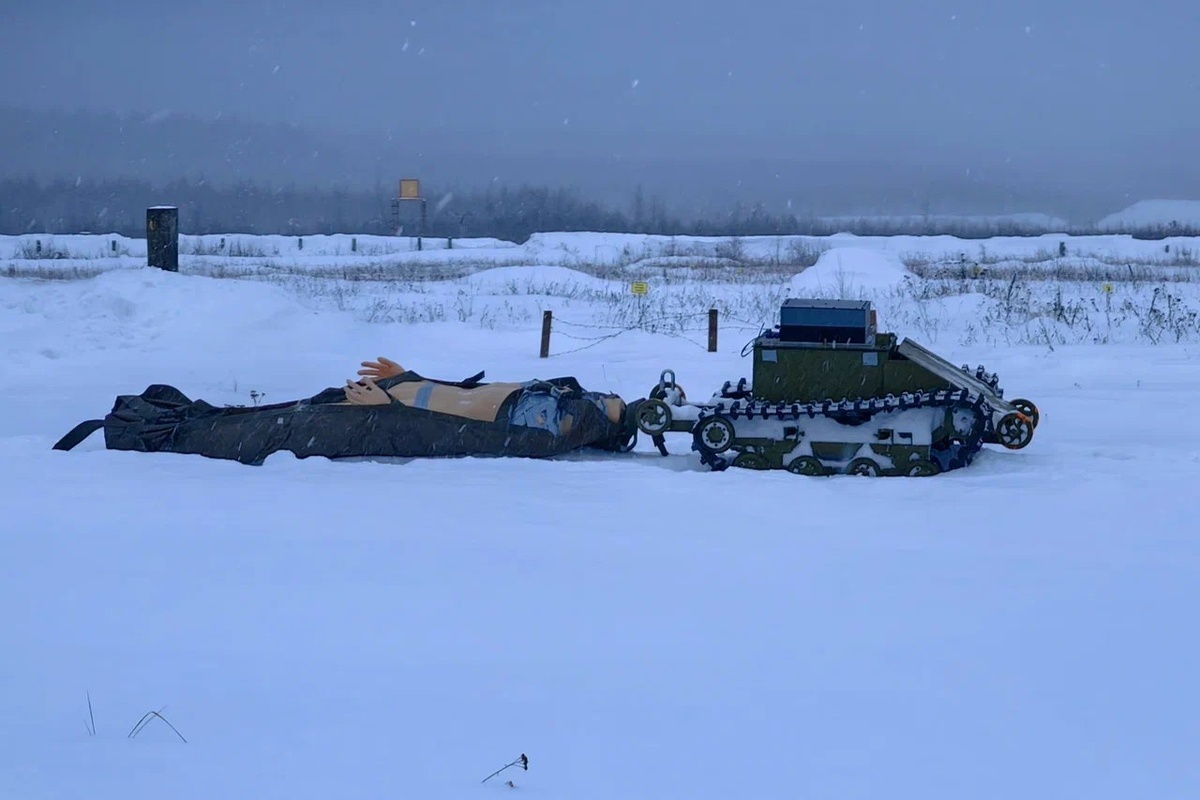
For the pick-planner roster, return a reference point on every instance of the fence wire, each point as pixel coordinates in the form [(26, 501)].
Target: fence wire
[(557, 323), (591, 343), (641, 324)]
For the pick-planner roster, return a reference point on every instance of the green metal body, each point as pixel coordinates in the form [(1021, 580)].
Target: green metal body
[(807, 372)]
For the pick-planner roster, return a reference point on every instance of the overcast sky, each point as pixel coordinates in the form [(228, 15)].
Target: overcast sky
[(958, 80)]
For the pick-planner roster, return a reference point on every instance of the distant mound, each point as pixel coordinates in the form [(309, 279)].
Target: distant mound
[(1154, 214), (850, 273)]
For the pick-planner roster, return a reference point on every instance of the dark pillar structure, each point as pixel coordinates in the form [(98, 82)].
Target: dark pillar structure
[(162, 237)]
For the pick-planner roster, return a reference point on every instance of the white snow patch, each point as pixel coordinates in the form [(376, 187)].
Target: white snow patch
[(850, 273)]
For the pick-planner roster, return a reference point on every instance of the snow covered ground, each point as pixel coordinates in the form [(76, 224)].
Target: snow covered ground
[(640, 627), (57, 254)]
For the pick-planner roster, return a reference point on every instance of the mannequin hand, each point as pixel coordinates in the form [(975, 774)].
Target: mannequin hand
[(366, 393), (383, 368)]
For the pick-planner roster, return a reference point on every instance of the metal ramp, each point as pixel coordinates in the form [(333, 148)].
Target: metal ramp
[(953, 375)]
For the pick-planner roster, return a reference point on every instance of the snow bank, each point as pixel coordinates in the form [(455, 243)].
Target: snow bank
[(143, 309), (1154, 214), (51, 247), (84, 255), (851, 273), (57, 247)]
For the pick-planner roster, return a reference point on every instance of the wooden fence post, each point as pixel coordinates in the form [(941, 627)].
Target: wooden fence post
[(712, 330), (546, 321)]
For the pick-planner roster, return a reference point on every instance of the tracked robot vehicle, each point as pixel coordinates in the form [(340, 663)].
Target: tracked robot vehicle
[(832, 395)]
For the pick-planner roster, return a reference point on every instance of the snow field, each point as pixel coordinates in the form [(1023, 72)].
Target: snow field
[(637, 625)]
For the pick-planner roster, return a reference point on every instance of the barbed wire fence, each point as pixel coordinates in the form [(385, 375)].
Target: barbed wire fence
[(592, 334)]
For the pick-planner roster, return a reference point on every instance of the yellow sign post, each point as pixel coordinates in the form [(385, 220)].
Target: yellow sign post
[(640, 288), (410, 192), (410, 189)]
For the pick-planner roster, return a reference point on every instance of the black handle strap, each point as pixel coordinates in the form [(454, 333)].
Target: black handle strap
[(80, 432)]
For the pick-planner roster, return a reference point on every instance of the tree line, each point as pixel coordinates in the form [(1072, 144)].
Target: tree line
[(509, 213)]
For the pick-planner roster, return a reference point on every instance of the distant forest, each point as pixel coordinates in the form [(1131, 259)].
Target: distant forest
[(64, 172), (119, 206)]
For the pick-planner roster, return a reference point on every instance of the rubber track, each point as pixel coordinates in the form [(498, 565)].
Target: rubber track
[(839, 411)]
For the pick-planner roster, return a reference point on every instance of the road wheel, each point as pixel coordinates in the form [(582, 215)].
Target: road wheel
[(863, 466), (715, 434), (751, 461), (805, 465), (921, 469)]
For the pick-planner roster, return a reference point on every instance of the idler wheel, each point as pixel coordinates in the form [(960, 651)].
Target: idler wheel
[(1014, 431), (805, 465), (653, 417), (1027, 408)]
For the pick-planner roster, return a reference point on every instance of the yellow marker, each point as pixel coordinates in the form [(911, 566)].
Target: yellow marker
[(640, 287), (1108, 288), (410, 189)]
